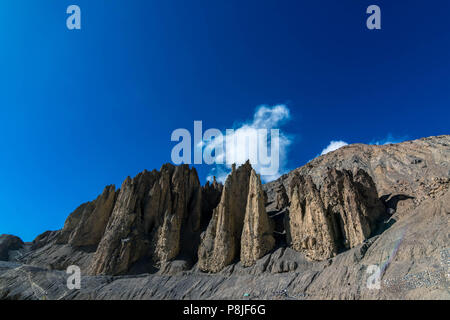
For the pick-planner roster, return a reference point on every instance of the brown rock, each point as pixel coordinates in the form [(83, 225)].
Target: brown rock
[(86, 225), (156, 217), (405, 169), (181, 214), (220, 244), (257, 234), (310, 228), (341, 215), (124, 241), (282, 199), (354, 204)]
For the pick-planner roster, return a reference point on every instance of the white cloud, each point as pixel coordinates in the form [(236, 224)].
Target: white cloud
[(220, 172), (334, 145), (243, 149)]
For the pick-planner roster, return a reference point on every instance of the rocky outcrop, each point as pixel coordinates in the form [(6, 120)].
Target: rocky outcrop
[(220, 244), (257, 234), (310, 228), (44, 239), (156, 217), (124, 241), (180, 215), (86, 225), (240, 227), (8, 243), (354, 205), (411, 170), (339, 215), (151, 220)]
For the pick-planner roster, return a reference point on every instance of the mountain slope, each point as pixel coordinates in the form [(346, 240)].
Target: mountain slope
[(382, 205)]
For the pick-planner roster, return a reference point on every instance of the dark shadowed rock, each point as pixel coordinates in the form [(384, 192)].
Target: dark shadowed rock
[(8, 243), (211, 194)]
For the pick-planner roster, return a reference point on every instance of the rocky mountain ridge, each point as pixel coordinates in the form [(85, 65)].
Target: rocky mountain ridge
[(337, 212)]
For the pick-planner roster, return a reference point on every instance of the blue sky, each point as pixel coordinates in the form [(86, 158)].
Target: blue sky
[(83, 109)]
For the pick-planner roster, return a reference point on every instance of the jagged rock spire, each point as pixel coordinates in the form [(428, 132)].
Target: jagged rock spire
[(240, 226)]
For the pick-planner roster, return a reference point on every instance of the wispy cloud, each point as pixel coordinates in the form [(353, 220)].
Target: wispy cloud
[(265, 117), (334, 145)]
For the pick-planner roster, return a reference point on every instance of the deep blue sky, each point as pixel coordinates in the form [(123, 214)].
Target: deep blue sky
[(83, 109)]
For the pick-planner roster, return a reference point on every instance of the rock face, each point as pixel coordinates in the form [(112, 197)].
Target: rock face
[(257, 234), (156, 216), (406, 173), (338, 216), (220, 244), (282, 199), (310, 227), (151, 221), (211, 193), (8, 243), (240, 226), (332, 218), (45, 238), (417, 269), (86, 225)]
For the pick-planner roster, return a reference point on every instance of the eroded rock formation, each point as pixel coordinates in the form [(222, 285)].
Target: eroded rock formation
[(339, 215), (155, 217), (86, 225), (220, 244), (240, 226), (310, 227), (282, 199), (257, 234)]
